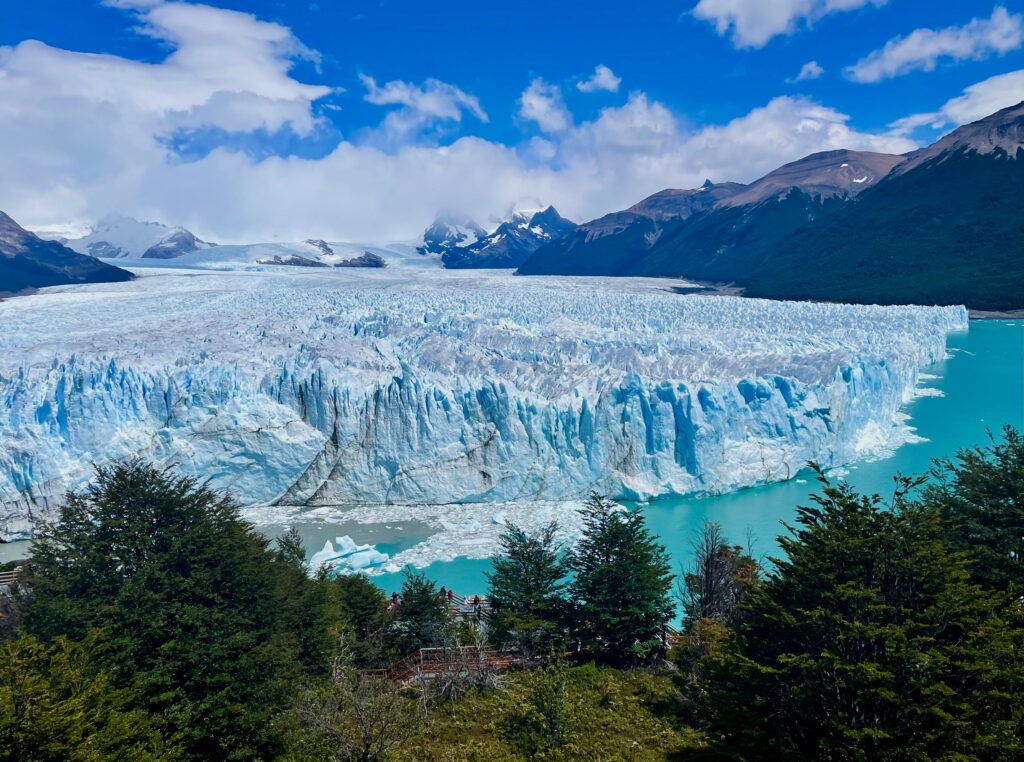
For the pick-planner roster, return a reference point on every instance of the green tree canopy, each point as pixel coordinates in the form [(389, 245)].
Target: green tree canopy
[(868, 642), (363, 614), (422, 620), (527, 589), (186, 599), (621, 592), (55, 707), (981, 496)]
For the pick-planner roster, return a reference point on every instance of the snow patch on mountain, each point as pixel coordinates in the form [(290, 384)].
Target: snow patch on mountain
[(118, 237)]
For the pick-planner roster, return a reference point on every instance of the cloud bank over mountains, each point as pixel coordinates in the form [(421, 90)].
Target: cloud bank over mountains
[(84, 134)]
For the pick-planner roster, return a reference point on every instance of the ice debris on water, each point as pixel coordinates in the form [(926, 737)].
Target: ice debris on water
[(347, 555)]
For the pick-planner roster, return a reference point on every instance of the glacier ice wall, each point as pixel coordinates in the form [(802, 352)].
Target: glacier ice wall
[(360, 388)]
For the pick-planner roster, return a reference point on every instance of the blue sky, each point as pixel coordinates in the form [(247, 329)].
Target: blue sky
[(410, 100)]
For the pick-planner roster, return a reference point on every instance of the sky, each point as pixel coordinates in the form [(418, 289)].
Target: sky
[(259, 120)]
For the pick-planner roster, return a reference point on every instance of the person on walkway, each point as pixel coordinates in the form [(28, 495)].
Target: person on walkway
[(451, 597), (444, 592)]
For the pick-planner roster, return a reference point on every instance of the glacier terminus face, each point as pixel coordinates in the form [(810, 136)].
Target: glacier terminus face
[(416, 386)]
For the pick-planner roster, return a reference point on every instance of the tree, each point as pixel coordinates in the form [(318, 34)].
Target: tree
[(622, 589), (721, 578), (186, 600), (544, 722), (981, 496), (291, 549), (422, 620), (868, 642), (355, 717), (527, 590), (363, 613), (55, 708)]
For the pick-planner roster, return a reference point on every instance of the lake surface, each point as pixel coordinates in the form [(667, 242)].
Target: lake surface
[(982, 388)]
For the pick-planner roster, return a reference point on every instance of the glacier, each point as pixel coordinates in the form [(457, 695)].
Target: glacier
[(415, 386)]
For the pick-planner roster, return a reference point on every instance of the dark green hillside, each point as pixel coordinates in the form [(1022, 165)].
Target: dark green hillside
[(948, 232), (730, 243)]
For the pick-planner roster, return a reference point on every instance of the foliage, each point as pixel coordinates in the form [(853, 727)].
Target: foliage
[(981, 496), (355, 717), (622, 589), (55, 708), (721, 578), (614, 716), (527, 591), (868, 642), (544, 721), (206, 624), (362, 611), (422, 620)]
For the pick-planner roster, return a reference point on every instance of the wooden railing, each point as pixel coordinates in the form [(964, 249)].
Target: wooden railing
[(8, 580), (430, 663)]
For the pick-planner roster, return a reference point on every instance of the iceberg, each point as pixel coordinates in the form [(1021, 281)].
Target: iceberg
[(424, 386), (346, 555)]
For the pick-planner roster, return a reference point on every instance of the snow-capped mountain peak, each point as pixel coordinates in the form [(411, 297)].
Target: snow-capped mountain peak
[(512, 242), (119, 237), (449, 230)]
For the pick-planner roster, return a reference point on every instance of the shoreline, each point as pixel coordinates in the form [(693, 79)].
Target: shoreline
[(996, 314)]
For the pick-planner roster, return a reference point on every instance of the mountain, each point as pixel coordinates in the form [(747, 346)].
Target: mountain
[(942, 225), (674, 231), (447, 231), (611, 244), (945, 227), (512, 242), (27, 261), (116, 237), (745, 230)]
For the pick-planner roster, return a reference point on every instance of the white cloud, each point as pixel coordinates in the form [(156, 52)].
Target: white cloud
[(978, 101), (810, 70), (433, 98), (751, 23), (542, 103), (422, 106), (921, 49), (603, 78), (80, 137)]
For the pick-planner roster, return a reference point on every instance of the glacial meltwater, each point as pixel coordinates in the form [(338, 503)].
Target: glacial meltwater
[(979, 387)]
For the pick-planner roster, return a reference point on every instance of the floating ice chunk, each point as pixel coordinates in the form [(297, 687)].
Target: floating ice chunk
[(347, 555)]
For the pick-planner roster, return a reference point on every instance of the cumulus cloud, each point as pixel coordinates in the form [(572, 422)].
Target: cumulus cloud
[(434, 98), (82, 135), (751, 23), (978, 101), (921, 49), (603, 78), (542, 103), (810, 70), (422, 106)]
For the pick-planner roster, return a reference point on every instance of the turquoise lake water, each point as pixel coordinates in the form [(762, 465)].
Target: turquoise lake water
[(982, 384)]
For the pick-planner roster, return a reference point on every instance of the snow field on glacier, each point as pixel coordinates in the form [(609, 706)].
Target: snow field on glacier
[(413, 386)]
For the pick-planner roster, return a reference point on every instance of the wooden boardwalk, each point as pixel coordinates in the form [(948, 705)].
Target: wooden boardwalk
[(431, 663)]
